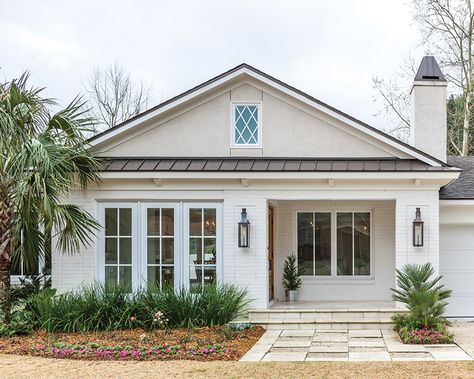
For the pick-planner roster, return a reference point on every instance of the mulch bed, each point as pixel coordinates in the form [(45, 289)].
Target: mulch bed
[(202, 344)]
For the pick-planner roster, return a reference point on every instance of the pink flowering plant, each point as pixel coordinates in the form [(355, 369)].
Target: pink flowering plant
[(64, 350)]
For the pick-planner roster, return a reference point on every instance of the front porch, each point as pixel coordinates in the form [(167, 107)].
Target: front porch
[(346, 249)]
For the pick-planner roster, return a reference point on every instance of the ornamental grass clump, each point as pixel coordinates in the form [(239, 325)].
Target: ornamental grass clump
[(97, 308), (426, 299)]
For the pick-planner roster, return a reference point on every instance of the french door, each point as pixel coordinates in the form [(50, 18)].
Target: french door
[(150, 245), (202, 243), (160, 244)]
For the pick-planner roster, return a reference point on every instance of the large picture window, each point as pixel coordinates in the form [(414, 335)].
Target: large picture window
[(328, 248)]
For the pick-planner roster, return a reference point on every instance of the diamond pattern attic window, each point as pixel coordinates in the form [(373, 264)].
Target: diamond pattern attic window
[(246, 125)]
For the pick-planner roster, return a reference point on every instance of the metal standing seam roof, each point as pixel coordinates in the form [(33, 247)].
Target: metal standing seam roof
[(245, 164)]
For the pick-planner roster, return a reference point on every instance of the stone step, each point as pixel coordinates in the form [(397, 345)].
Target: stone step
[(324, 318), (342, 324), (321, 315)]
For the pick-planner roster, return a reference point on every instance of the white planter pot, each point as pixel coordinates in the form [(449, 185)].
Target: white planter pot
[(292, 296)]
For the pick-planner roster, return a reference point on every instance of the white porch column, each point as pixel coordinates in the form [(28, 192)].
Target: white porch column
[(405, 252), (246, 267)]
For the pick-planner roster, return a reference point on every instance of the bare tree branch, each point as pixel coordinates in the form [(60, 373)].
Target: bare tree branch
[(114, 96)]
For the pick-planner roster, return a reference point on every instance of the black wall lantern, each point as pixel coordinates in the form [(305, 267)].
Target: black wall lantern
[(244, 229), (417, 229)]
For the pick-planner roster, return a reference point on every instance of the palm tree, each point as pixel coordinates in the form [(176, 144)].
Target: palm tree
[(43, 157)]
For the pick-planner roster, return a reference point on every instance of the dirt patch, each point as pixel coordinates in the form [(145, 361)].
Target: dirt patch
[(203, 344)]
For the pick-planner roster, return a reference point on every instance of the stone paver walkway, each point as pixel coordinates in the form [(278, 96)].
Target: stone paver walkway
[(346, 345)]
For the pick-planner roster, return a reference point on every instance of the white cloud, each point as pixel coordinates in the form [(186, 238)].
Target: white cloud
[(328, 49)]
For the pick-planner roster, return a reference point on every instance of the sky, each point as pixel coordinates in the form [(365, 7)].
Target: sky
[(329, 49)]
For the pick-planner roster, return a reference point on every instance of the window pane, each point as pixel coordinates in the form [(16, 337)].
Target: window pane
[(110, 250), (195, 277), (110, 221), (153, 221), (322, 230), (153, 250), (125, 221), (195, 250), (168, 276), (125, 278), (125, 251), (209, 274), (153, 278), (167, 250), (167, 222), (305, 242), (110, 277), (344, 243), (209, 251), (209, 222), (246, 124), (195, 222), (361, 243)]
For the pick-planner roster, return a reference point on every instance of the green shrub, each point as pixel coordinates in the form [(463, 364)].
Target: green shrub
[(423, 295), (291, 273), (29, 286), (94, 308)]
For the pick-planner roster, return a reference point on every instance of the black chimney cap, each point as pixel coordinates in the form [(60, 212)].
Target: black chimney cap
[(429, 70)]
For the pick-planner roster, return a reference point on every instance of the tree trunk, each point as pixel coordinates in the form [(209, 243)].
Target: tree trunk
[(5, 258), (466, 120)]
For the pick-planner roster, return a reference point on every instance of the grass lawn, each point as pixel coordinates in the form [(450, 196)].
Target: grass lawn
[(14, 366)]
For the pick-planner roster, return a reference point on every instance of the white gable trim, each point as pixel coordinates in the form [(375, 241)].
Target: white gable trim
[(245, 70)]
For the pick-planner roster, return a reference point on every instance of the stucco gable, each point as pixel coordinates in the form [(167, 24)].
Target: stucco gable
[(292, 126)]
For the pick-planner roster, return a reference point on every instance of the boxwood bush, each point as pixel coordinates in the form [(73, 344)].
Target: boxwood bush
[(94, 308)]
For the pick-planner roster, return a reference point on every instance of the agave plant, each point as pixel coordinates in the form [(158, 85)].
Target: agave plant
[(42, 157), (421, 291)]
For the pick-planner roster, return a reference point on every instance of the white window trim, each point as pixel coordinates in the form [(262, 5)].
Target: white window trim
[(334, 278), (233, 105), (136, 284), (143, 258), (185, 234), (139, 257)]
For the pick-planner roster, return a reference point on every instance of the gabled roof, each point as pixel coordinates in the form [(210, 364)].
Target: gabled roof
[(461, 188), (245, 69)]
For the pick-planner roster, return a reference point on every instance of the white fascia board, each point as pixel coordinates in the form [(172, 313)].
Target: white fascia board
[(456, 202), (446, 176), (271, 83)]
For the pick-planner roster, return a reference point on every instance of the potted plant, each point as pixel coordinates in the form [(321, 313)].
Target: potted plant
[(291, 277)]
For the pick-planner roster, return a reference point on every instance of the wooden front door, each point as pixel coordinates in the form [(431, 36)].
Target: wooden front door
[(271, 273)]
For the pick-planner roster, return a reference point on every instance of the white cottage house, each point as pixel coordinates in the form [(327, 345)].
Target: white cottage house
[(313, 180)]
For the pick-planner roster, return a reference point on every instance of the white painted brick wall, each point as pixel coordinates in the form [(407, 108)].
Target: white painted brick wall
[(249, 267)]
